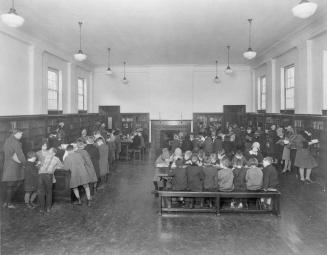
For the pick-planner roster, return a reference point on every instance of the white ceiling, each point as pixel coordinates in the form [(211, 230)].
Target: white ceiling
[(146, 32)]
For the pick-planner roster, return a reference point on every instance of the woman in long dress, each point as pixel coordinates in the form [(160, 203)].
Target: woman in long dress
[(304, 159)]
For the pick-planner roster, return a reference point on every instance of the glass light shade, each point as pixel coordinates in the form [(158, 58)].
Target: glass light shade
[(80, 56), (249, 54), (216, 79), (109, 71), (12, 19), (304, 9), (125, 81), (228, 70)]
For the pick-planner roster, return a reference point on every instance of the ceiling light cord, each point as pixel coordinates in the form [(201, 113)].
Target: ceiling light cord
[(250, 30), (80, 34)]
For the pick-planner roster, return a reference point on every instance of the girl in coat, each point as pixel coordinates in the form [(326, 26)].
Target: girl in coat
[(103, 159), (79, 175)]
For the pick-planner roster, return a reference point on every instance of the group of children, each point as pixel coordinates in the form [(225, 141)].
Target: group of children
[(193, 171), (88, 160)]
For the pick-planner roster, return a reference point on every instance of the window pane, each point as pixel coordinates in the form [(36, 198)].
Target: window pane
[(80, 102)]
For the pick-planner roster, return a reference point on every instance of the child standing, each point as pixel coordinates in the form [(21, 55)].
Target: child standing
[(103, 159), (31, 179), (46, 172), (79, 175), (195, 177)]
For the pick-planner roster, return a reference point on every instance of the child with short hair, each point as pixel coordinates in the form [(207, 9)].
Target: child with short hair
[(225, 176), (210, 173), (195, 177), (46, 173), (239, 172), (210, 170), (270, 176), (103, 158), (187, 158), (239, 156), (270, 179), (253, 175), (31, 180)]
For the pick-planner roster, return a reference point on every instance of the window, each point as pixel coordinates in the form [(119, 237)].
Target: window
[(289, 87), (82, 96), (262, 93), (54, 91)]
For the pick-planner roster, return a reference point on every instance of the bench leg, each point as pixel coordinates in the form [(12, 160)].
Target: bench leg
[(160, 205), (218, 205), (277, 206)]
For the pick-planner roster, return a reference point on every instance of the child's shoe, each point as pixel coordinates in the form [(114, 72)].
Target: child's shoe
[(29, 206), (88, 203), (48, 210), (232, 204), (11, 206), (240, 205)]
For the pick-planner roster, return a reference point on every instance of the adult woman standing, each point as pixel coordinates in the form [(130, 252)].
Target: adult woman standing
[(303, 158), (13, 172)]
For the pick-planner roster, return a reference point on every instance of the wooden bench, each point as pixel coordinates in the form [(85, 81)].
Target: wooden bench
[(217, 196)]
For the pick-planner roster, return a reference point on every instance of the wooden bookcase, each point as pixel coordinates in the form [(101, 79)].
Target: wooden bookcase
[(36, 127)]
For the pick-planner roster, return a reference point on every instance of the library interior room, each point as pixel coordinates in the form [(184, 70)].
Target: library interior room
[(163, 127)]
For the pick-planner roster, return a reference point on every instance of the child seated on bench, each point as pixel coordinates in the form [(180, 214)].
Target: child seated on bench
[(210, 170), (195, 177), (225, 176), (239, 172), (270, 179), (187, 158), (239, 156), (253, 175), (163, 161)]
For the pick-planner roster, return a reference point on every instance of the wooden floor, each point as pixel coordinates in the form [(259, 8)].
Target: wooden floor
[(124, 220)]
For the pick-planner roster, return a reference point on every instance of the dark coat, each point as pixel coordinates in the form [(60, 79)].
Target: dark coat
[(31, 177), (95, 156), (195, 178), (210, 181), (270, 177), (239, 179), (179, 181), (187, 145), (13, 171), (217, 145), (208, 145)]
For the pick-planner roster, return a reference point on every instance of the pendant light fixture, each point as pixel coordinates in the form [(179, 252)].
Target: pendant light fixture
[(216, 79), (228, 69), (109, 71), (80, 56), (304, 9), (12, 19), (249, 54), (125, 81)]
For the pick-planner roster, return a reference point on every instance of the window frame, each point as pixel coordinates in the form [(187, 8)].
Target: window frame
[(262, 92), (58, 110), (287, 88), (83, 94)]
